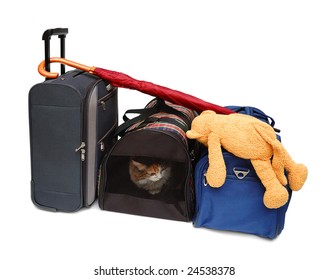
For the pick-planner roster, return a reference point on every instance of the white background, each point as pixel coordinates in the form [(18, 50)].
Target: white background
[(269, 54)]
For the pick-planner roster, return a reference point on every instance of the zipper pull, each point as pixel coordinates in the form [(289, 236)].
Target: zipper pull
[(103, 105), (192, 155), (109, 87), (82, 151), (102, 146)]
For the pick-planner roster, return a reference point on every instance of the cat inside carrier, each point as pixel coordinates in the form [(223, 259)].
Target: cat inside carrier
[(148, 172)]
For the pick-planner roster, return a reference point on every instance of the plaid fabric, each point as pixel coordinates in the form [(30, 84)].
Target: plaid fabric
[(162, 124), (190, 114)]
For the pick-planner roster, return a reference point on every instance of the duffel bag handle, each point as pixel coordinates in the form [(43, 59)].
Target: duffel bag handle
[(255, 112)]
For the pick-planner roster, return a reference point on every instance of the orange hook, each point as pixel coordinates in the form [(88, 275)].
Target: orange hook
[(52, 75)]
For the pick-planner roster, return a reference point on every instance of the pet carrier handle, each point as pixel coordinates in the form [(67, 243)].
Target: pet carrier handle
[(159, 106), (145, 113), (61, 33)]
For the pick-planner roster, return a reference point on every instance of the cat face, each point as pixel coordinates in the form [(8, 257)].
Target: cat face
[(151, 177), (153, 172)]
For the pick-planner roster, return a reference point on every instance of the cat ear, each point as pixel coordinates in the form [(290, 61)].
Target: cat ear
[(138, 165)]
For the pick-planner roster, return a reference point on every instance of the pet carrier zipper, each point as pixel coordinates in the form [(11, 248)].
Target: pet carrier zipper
[(82, 151), (187, 195), (200, 172)]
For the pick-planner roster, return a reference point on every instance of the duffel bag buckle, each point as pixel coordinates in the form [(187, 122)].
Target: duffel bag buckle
[(240, 173)]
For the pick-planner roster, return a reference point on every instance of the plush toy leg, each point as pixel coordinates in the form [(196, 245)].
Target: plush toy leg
[(275, 195), (269, 136), (216, 173), (297, 174)]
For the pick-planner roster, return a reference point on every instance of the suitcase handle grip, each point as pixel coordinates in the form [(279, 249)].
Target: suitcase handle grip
[(61, 32), (53, 75)]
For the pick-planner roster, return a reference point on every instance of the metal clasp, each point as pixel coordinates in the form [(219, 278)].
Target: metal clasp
[(241, 173), (205, 183)]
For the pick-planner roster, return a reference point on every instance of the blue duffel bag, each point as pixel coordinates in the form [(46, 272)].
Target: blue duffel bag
[(238, 204)]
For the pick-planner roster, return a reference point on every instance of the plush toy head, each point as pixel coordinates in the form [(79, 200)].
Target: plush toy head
[(202, 127), (249, 138)]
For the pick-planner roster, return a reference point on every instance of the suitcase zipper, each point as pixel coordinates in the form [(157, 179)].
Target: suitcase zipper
[(102, 101), (101, 142), (85, 140), (82, 150)]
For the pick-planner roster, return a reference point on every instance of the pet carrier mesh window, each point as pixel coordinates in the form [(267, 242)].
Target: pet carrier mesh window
[(149, 170)]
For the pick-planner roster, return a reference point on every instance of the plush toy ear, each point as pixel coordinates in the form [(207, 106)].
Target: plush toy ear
[(208, 112), (193, 134)]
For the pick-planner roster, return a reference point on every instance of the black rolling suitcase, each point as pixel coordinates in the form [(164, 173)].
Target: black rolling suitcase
[(72, 122)]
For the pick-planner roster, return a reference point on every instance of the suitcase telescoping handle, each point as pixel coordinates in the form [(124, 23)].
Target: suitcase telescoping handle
[(61, 33)]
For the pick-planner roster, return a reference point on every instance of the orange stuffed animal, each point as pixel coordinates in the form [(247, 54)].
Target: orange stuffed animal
[(249, 138)]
